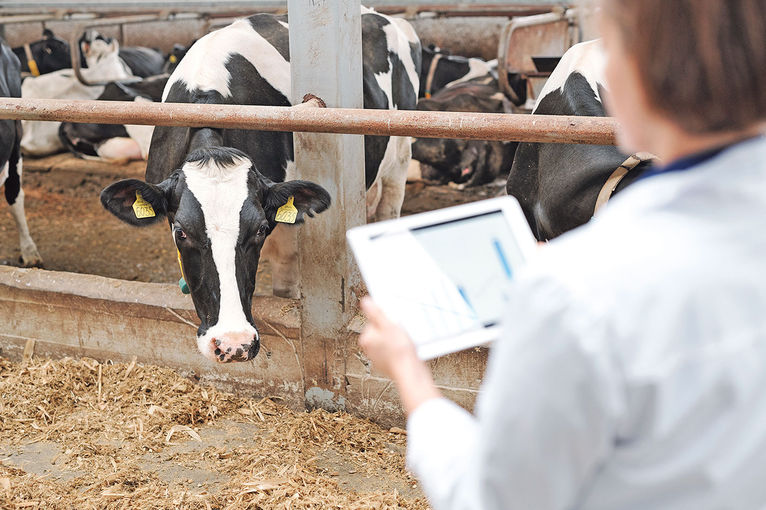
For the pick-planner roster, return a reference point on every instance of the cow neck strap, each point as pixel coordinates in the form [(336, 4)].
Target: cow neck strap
[(431, 72), (614, 180), (31, 61)]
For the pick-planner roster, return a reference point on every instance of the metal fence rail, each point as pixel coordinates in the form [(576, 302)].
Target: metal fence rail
[(421, 124)]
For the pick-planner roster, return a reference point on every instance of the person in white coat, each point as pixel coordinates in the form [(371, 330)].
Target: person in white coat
[(631, 373)]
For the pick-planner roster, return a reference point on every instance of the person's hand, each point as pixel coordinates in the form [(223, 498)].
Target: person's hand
[(386, 344), (392, 352)]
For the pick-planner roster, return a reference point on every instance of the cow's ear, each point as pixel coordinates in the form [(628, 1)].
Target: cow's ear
[(288, 202), (136, 202)]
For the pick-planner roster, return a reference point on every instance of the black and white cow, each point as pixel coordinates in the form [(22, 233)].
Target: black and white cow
[(221, 190), (41, 138), (440, 69), (10, 156), (464, 162), (115, 142), (558, 184), (142, 61), (49, 54)]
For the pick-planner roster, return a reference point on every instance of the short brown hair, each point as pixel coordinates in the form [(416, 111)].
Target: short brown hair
[(703, 62)]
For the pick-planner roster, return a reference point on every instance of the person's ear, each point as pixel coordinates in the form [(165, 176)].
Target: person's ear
[(136, 202), (288, 202)]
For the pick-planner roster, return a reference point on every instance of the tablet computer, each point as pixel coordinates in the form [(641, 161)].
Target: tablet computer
[(443, 275)]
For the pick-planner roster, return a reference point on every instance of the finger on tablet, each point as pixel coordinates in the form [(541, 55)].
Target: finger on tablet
[(372, 311)]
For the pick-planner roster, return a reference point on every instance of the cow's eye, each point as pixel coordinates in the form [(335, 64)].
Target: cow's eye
[(180, 234), (263, 230)]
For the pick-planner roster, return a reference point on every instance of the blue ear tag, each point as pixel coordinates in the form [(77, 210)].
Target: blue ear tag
[(184, 286)]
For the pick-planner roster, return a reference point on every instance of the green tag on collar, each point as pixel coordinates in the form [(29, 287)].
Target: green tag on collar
[(184, 286)]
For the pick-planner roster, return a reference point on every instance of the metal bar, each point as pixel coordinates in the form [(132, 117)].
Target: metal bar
[(472, 126)]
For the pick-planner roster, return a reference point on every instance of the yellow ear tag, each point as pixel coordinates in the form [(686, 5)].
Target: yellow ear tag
[(287, 213), (173, 59), (142, 208)]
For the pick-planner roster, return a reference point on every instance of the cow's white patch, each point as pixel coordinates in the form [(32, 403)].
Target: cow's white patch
[(204, 66), (476, 69), (221, 191), (119, 148), (4, 174), (398, 38), (586, 58)]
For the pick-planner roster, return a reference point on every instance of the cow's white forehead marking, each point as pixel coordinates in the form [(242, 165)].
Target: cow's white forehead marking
[(586, 58), (204, 66), (221, 191)]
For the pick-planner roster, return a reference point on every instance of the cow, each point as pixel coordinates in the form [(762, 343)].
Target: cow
[(115, 142), (41, 138), (177, 53), (143, 62), (10, 156), (44, 56), (52, 53), (464, 162), (225, 190), (558, 185), (439, 69)]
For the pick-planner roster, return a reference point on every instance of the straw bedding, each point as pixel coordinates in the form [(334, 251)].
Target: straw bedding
[(105, 423)]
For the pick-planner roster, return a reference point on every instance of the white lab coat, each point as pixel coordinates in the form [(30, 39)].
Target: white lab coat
[(632, 369)]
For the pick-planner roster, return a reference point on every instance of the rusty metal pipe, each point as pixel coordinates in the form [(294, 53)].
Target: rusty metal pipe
[(474, 126)]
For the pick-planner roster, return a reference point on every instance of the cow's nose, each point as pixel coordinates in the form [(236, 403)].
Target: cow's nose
[(240, 346)]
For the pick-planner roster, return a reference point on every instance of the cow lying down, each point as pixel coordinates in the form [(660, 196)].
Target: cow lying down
[(464, 162), (104, 64), (115, 142)]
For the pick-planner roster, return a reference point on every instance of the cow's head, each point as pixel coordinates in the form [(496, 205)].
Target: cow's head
[(94, 47), (51, 53), (220, 210)]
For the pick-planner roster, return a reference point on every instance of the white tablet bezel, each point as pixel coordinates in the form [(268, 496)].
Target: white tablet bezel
[(360, 241)]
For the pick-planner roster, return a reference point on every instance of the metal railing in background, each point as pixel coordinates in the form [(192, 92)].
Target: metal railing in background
[(422, 124)]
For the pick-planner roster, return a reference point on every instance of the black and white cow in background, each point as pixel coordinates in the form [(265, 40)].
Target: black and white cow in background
[(115, 142), (49, 54), (143, 62), (104, 64), (464, 162), (10, 156), (221, 190), (440, 69), (558, 184)]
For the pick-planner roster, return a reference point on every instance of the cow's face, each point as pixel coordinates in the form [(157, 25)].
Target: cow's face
[(220, 210), (51, 53), (443, 159)]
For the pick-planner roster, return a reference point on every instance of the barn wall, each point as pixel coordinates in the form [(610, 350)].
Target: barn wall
[(68, 314)]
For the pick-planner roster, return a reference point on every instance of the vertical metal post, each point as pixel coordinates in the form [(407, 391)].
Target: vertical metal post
[(326, 60)]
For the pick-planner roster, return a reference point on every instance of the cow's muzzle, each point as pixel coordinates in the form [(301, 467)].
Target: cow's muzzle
[(241, 346)]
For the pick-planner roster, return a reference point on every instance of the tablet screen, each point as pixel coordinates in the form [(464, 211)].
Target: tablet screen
[(446, 278)]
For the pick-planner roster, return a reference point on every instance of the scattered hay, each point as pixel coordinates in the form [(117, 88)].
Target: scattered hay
[(107, 418)]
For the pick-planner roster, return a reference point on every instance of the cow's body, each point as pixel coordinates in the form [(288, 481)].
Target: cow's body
[(41, 138), (222, 187), (464, 162), (10, 156), (439, 70), (115, 142), (558, 184)]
